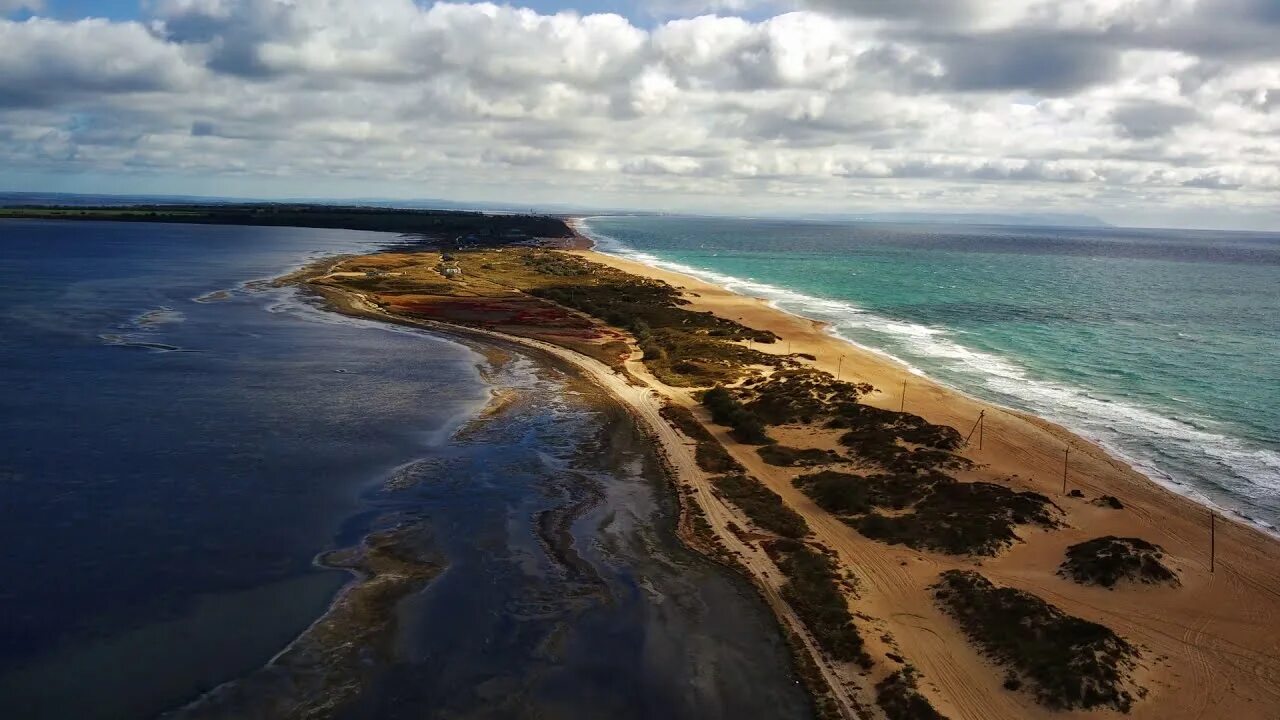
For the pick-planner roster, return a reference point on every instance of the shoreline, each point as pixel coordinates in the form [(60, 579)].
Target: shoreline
[(589, 247), (1191, 651), (696, 500), (1027, 452)]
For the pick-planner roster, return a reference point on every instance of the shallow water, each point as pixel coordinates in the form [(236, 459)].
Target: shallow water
[(181, 442), (567, 595), (1163, 345)]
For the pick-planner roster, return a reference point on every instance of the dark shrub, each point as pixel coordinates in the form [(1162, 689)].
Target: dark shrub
[(813, 591), (765, 508), (900, 698), (1109, 560), (1069, 662)]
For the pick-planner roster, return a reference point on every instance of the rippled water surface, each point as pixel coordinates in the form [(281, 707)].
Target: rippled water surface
[(1164, 345)]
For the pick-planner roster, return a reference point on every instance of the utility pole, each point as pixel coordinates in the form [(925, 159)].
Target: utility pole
[(839, 367), (1066, 458), (978, 427), (903, 406), (1213, 532)]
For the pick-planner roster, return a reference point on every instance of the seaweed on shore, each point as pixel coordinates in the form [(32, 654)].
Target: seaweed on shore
[(900, 698), (1109, 560), (764, 506), (1069, 662), (813, 591), (930, 510)]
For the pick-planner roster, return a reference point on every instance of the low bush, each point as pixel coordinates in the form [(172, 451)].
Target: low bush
[(713, 458), (1109, 560), (801, 395), (765, 508), (813, 591), (685, 421), (726, 410), (941, 514), (1069, 662), (900, 698), (783, 456)]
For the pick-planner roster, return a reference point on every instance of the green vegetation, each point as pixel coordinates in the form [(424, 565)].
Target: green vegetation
[(783, 456), (1109, 560), (526, 291), (895, 441), (801, 395), (77, 213), (713, 458), (762, 505), (825, 707), (1069, 662), (708, 453), (813, 591), (541, 293), (685, 421), (879, 436), (434, 224), (727, 411), (931, 510), (681, 347), (900, 698)]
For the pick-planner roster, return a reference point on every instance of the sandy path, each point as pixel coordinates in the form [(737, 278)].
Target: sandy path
[(1211, 647)]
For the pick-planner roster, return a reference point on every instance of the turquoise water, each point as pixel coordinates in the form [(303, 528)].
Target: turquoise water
[(1162, 345)]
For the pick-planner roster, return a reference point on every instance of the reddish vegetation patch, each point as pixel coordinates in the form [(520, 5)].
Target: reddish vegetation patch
[(513, 312), (519, 315)]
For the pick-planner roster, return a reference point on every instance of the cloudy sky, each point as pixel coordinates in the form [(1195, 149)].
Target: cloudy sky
[(1153, 112)]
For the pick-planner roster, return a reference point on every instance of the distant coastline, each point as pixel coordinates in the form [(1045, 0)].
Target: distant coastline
[(446, 226)]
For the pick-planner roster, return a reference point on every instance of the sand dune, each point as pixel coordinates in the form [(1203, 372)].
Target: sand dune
[(1210, 648)]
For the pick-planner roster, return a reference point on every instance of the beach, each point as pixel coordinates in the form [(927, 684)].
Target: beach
[(1220, 649), (1201, 644)]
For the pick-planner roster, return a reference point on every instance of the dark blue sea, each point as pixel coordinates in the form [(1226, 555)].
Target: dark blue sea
[(179, 440)]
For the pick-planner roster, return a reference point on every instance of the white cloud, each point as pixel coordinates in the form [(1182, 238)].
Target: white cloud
[(1030, 103)]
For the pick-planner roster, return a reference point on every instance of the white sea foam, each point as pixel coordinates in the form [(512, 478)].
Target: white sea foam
[(1186, 455)]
